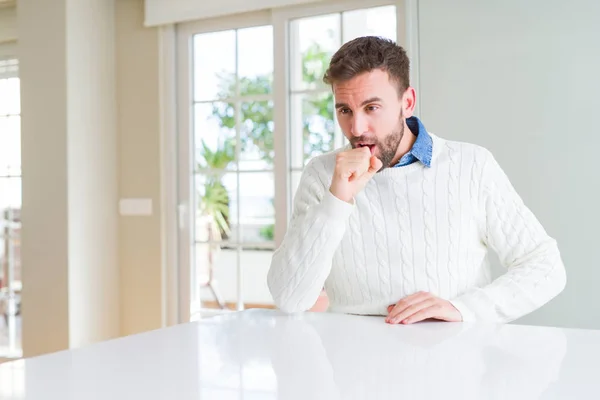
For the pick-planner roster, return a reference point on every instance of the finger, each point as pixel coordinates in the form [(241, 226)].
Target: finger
[(352, 168), (433, 311), (411, 310), (357, 153), (361, 154), (363, 150), (375, 166), (360, 168), (351, 162), (407, 302), (347, 173)]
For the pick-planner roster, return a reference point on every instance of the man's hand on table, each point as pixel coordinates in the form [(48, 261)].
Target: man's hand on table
[(421, 306)]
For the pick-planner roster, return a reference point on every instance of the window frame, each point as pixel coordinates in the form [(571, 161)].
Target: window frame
[(185, 87)]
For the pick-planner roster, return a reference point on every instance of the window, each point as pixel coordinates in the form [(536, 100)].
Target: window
[(252, 111), (10, 207)]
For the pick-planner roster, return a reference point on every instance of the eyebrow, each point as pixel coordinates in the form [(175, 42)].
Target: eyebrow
[(364, 103)]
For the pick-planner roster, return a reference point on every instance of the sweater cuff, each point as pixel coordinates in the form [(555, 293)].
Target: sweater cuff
[(467, 314), (335, 208)]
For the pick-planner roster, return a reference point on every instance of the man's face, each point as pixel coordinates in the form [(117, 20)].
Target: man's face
[(370, 113)]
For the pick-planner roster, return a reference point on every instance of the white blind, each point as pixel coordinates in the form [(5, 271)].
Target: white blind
[(9, 68), (161, 12)]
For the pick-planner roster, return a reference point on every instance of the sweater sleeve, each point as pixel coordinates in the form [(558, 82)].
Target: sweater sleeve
[(535, 271), (303, 261)]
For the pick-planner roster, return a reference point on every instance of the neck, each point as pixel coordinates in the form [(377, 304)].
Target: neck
[(406, 143), (438, 147)]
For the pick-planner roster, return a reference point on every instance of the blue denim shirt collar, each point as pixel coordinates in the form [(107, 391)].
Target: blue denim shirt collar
[(422, 148)]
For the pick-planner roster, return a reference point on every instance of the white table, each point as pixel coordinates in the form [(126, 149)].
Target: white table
[(261, 354)]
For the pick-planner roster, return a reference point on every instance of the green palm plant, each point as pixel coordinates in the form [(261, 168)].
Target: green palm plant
[(214, 203), (218, 159)]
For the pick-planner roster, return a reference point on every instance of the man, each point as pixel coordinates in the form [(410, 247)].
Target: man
[(399, 223)]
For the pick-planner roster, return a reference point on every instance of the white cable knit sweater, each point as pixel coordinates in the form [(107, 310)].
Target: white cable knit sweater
[(413, 229)]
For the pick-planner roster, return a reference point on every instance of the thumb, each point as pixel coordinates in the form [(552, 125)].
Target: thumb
[(375, 166)]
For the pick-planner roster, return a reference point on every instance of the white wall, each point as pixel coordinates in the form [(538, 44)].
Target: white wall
[(138, 101), (92, 172), (8, 24), (521, 78), (44, 249), (158, 12), (76, 122), (69, 155)]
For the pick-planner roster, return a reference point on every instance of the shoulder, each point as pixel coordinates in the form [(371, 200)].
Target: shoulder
[(469, 154), (475, 163), (455, 146)]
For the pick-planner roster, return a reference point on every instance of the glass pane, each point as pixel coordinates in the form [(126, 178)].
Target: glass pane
[(216, 216), (257, 212), (256, 135), (214, 65), (296, 132), (255, 263), (9, 67), (255, 60), (314, 40), (294, 182), (221, 262), (10, 96), (378, 21), (313, 121), (218, 262), (10, 146), (214, 135), (10, 193)]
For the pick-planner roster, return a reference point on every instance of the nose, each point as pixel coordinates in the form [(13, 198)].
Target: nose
[(359, 125)]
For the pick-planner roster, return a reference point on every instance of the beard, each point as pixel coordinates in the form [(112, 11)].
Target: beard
[(388, 147)]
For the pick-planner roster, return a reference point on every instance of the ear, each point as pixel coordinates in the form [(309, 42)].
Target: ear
[(409, 100)]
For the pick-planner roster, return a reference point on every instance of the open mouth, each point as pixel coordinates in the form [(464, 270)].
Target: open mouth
[(370, 146)]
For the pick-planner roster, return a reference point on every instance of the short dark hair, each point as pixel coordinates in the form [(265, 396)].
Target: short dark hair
[(368, 53)]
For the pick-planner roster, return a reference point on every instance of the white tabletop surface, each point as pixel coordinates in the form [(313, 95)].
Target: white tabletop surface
[(261, 354)]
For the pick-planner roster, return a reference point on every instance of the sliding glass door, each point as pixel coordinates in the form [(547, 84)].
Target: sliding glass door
[(252, 110)]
